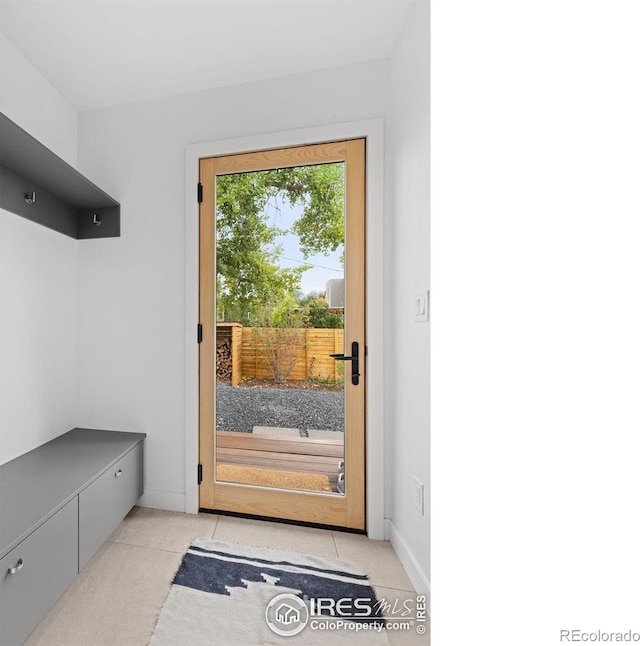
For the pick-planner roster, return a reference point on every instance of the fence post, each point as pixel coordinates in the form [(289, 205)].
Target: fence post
[(236, 354), (306, 354)]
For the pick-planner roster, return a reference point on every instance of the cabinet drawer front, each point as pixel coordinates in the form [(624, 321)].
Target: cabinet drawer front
[(43, 565), (107, 500)]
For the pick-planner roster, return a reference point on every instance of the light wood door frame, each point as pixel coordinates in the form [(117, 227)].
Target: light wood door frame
[(304, 506)]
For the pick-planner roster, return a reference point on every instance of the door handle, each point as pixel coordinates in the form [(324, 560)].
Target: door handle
[(355, 362)]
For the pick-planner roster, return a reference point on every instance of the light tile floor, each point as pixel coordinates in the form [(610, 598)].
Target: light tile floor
[(116, 599)]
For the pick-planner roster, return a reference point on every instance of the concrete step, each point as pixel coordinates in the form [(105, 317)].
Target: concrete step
[(276, 430), (324, 435)]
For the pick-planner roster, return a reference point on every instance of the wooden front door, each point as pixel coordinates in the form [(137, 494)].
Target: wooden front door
[(282, 421)]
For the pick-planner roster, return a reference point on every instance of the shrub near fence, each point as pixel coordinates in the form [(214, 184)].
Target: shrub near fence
[(311, 352)]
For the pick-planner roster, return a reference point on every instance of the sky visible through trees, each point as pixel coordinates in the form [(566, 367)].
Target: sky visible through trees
[(327, 267), (280, 237)]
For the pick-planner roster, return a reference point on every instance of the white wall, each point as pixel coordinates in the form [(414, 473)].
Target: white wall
[(407, 403), (132, 289), (29, 100), (38, 289), (38, 334)]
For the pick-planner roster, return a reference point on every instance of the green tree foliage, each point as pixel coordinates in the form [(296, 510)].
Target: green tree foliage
[(248, 273), (319, 315), (317, 312)]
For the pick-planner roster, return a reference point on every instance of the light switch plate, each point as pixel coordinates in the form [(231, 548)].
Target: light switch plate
[(418, 495), (421, 306)]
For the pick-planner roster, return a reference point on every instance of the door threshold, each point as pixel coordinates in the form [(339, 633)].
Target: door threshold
[(283, 521)]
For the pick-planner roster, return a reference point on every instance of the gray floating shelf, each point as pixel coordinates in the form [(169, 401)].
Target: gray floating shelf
[(66, 201)]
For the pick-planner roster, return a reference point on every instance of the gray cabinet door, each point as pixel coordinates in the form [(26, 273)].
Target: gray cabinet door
[(106, 501), (36, 572)]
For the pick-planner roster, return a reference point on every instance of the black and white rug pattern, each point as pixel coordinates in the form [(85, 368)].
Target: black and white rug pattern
[(221, 592)]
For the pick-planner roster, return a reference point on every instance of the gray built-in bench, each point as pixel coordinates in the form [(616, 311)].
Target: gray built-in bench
[(58, 504)]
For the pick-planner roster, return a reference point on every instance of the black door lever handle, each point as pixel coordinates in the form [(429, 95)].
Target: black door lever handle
[(355, 362)]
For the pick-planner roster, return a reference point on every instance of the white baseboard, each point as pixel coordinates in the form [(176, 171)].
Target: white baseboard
[(167, 500), (415, 573)]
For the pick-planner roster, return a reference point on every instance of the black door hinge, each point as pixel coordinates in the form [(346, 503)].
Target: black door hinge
[(199, 333), (199, 192), (199, 473)]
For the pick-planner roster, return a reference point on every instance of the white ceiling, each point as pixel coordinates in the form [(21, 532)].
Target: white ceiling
[(100, 53)]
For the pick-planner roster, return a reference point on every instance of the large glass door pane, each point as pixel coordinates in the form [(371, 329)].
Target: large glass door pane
[(280, 312)]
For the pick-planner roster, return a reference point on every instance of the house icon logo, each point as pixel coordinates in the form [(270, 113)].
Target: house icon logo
[(287, 615)]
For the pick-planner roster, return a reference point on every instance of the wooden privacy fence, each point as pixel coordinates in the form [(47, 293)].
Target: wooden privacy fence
[(310, 352), (243, 352), (246, 352)]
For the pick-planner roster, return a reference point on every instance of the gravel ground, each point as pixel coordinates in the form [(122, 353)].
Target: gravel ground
[(242, 408)]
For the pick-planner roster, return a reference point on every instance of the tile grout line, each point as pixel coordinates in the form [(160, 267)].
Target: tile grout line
[(380, 585), (215, 527), (365, 570), (148, 547), (335, 545)]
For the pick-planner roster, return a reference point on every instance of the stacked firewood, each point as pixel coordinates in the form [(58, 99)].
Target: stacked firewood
[(223, 359)]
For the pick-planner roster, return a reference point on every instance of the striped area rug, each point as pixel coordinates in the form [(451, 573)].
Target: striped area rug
[(238, 595)]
